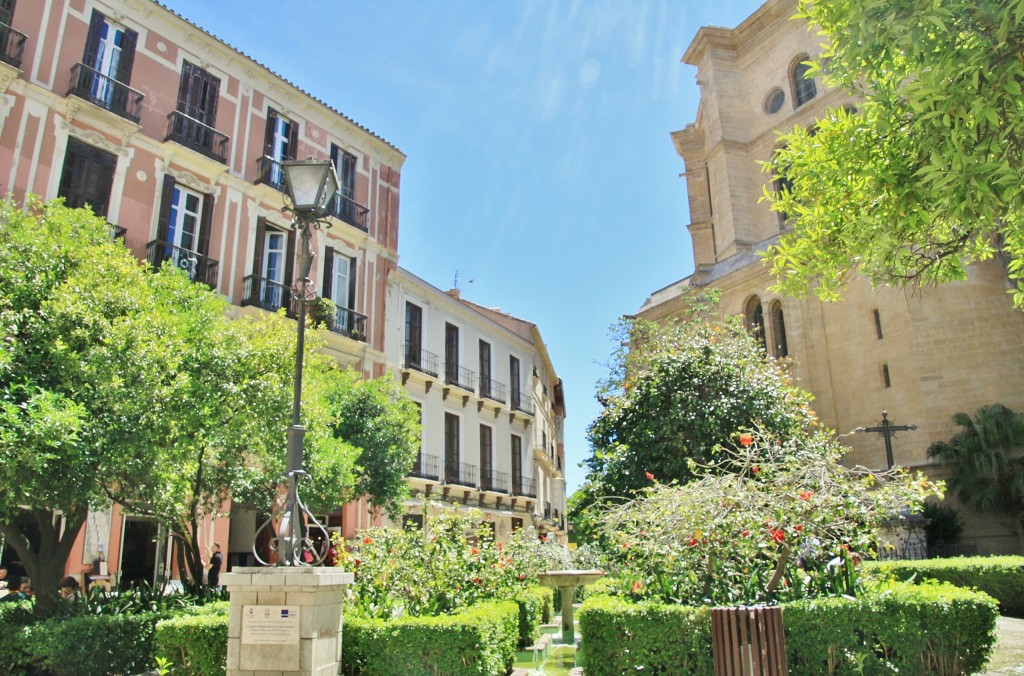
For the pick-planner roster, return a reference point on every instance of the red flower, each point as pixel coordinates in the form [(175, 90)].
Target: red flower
[(694, 542), (625, 545), (477, 580), (501, 546), (650, 477), (522, 576), (846, 547), (745, 533), (473, 551), (778, 535), (798, 528), (357, 563), (637, 586), (755, 469), (806, 495), (367, 540), (746, 439)]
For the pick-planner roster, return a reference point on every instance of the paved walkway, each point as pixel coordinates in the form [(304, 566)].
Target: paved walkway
[(1008, 658)]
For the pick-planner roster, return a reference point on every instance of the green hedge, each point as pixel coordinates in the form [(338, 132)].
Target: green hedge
[(529, 617), (93, 644), (928, 629), (195, 645), (15, 659), (620, 637), (479, 640), (547, 601), (1001, 577)]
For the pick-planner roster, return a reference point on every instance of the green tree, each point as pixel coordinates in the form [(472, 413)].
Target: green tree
[(673, 396), (986, 463), (926, 175)]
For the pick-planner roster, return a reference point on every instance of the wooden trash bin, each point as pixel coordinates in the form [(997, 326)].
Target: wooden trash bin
[(748, 641)]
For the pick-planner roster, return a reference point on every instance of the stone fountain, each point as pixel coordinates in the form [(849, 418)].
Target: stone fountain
[(566, 581)]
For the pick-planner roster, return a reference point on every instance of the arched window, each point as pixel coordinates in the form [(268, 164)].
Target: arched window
[(779, 331), (754, 314), (804, 88)]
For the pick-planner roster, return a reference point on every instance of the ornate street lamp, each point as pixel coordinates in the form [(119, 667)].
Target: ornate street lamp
[(311, 186)]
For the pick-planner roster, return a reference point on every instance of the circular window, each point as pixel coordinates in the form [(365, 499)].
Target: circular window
[(773, 103)]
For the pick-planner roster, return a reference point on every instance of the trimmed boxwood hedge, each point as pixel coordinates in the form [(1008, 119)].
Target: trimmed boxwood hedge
[(547, 601), (15, 659), (1001, 577), (479, 640), (196, 644), (927, 629), (93, 644)]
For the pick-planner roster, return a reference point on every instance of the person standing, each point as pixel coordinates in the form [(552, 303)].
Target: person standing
[(214, 566)]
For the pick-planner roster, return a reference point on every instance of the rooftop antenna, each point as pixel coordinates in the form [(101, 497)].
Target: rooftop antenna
[(456, 285)]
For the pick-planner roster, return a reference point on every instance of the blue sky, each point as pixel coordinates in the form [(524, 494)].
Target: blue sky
[(537, 135)]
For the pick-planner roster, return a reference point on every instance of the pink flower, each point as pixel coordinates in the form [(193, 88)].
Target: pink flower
[(650, 477), (755, 469), (637, 586), (806, 495)]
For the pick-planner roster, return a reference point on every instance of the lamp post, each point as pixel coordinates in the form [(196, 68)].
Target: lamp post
[(311, 186)]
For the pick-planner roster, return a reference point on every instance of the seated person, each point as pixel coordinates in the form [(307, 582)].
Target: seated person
[(14, 590), (68, 587)]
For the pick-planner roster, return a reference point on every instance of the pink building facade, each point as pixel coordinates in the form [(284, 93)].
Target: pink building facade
[(177, 140)]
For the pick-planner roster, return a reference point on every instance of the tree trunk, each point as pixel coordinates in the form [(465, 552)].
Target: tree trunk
[(45, 566)]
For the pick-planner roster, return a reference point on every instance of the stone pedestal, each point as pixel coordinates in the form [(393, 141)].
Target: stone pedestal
[(566, 581), (284, 621)]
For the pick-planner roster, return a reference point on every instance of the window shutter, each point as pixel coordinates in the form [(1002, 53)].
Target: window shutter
[(164, 220), (205, 226), (289, 259), (184, 87), (92, 40), (6, 11), (293, 140), (328, 272), (213, 94), (352, 284), (261, 241), (336, 206), (268, 137), (124, 66)]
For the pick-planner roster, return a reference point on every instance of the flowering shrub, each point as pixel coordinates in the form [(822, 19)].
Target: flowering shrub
[(773, 521), (452, 563)]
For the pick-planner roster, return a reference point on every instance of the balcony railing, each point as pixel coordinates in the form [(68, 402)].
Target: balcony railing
[(349, 323), (493, 480), (421, 360), (459, 473), (352, 212), (269, 172), (426, 467), (199, 268), (265, 293), (200, 137), (106, 92), (522, 402), (12, 45), (116, 232), (492, 389), (460, 376), (524, 486)]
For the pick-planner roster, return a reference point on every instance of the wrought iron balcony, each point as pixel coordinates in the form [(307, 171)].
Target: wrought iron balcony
[(265, 293), (522, 402), (493, 480), (421, 360), (352, 212), (269, 172), (426, 467), (12, 45), (459, 376), (106, 92), (349, 323), (200, 137), (200, 268), (116, 232), (460, 473), (524, 486), (492, 389)]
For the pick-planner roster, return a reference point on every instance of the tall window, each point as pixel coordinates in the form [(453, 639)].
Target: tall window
[(413, 335), (804, 88), (280, 144), (451, 447), (339, 282), (87, 177), (196, 113), (517, 464), (485, 369), (451, 353), (183, 231), (486, 460), (754, 314), (346, 207), (513, 381), (272, 266), (779, 330), (109, 54)]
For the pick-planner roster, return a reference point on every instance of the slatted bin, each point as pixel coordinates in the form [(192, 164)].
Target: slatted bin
[(748, 641)]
